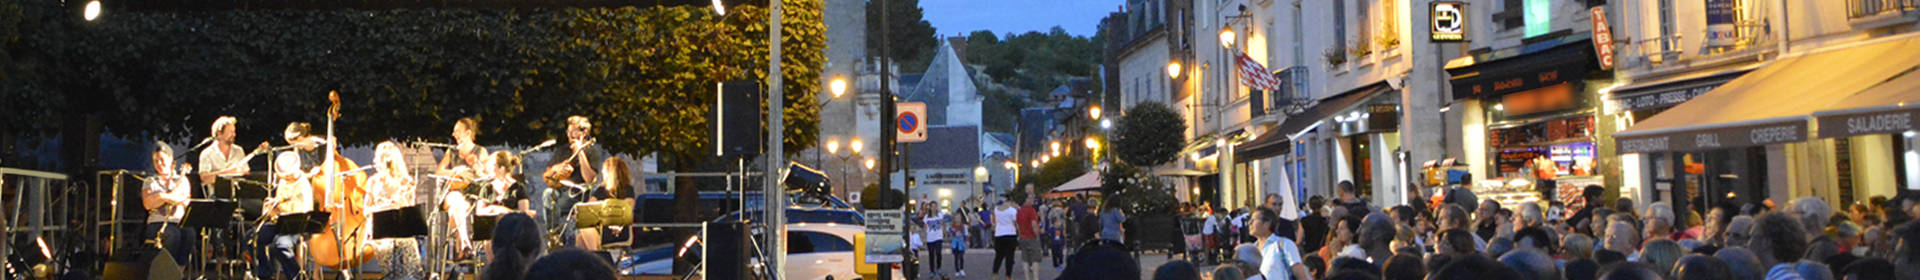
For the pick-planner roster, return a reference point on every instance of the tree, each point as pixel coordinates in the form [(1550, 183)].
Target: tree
[(914, 40), (1055, 172), (1150, 134)]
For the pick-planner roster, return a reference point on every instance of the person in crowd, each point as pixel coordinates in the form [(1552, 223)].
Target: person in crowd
[(1112, 222), (1313, 224), (516, 243), (1809, 271), (1712, 232), (1537, 239), (1529, 216), (1356, 208), (1005, 237), (1027, 225), (1821, 249), (1812, 212), (1473, 267), (1661, 254), (1629, 271), (1499, 246), (1056, 234), (1741, 262), (1580, 269), (1621, 238), (1377, 232), (934, 222), (1486, 224), (957, 228), (1280, 256), (1403, 267), (1869, 269), (1659, 222), (1739, 230), (1576, 246), (1454, 217), (1225, 272), (1699, 267), (1209, 228), (1905, 254), (1532, 265), (1777, 240), (1097, 259), (1590, 199), (572, 264), (1176, 270)]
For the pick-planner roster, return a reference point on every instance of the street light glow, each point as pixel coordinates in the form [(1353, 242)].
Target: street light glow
[(719, 8), (1173, 69), (1094, 112), (1106, 124), (1034, 164), (1056, 146), (857, 145), (833, 146), (1226, 37), (1093, 144), (838, 86), (93, 10), (870, 163)]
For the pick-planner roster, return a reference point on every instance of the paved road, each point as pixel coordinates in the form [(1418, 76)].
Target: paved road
[(979, 266)]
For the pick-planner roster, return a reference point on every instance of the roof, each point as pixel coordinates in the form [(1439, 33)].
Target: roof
[(1004, 138), (955, 146), (1034, 124)]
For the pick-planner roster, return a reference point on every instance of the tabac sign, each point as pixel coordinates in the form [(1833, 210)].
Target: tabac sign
[(1449, 21)]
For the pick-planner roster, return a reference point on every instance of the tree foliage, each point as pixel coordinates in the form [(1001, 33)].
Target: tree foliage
[(1024, 68), (1136, 190), (913, 40), (1057, 171), (646, 76), (1149, 135)]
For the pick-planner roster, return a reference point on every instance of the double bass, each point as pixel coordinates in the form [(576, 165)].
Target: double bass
[(344, 244)]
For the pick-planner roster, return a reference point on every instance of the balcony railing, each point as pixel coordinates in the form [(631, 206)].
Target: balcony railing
[(1662, 49), (1859, 9)]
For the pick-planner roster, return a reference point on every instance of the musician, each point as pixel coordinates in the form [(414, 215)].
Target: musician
[(300, 136), (292, 194), (165, 197), (224, 159), (393, 188), (575, 166), (618, 186), (461, 165), (505, 192)]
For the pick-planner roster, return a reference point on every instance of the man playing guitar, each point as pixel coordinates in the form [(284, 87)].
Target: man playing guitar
[(165, 197), (571, 174)]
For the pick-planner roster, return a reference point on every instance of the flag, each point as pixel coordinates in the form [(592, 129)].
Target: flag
[(1256, 76)]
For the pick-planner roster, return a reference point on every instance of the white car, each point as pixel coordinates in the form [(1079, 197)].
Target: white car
[(822, 251)]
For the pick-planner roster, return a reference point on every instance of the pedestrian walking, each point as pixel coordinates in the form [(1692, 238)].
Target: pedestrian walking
[(935, 225), (1028, 228), (959, 247), (1004, 238)]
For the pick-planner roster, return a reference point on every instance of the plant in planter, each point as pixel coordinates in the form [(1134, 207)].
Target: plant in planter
[(1360, 49), (1389, 38), (1336, 56)]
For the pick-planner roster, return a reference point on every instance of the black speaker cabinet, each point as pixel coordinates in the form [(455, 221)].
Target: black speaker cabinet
[(737, 119), (143, 264)]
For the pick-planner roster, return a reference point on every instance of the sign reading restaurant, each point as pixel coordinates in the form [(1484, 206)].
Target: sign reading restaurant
[(1713, 137), (1449, 21)]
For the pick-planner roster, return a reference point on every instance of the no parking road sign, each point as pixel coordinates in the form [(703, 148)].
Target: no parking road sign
[(910, 124)]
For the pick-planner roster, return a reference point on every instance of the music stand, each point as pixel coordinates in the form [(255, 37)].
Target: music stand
[(302, 223), (483, 227), (615, 212), (209, 213), (404, 222)]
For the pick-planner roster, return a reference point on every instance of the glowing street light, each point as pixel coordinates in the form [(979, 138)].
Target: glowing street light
[(93, 10), (1173, 69), (1094, 112), (1226, 38), (719, 8), (1010, 165), (1093, 144), (857, 145), (1056, 146), (833, 146), (837, 86), (870, 163), (1034, 164), (1106, 124)]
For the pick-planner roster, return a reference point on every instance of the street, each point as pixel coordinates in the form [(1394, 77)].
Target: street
[(978, 266)]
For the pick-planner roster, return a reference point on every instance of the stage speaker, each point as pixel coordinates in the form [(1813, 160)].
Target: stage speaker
[(143, 264), (727, 251), (737, 119)]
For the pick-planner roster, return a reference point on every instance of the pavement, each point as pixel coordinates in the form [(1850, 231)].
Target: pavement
[(979, 266)]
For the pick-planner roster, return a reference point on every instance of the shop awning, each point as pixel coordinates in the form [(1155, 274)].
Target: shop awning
[(1086, 182), (1182, 172), (1537, 65), (1771, 105), (1278, 141), (1891, 107), (1667, 92)]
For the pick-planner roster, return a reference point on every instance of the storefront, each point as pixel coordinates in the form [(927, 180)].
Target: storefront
[(1829, 124), (1350, 136), (1537, 112)]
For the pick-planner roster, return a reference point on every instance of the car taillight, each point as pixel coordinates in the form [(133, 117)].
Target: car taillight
[(894, 265)]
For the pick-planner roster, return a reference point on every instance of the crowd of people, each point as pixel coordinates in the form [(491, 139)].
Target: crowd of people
[(1458, 236), (1025, 234)]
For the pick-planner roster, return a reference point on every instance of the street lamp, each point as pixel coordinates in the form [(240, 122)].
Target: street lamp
[(1034, 164), (1173, 69), (837, 86), (1093, 144), (856, 145), (1106, 124), (1226, 37), (869, 163), (93, 10), (1056, 146), (1094, 111), (833, 146), (719, 8)]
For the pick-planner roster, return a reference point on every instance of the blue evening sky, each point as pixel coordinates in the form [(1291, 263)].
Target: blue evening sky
[(959, 17)]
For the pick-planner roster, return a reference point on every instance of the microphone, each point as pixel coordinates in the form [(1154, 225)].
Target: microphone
[(544, 145), (435, 145)]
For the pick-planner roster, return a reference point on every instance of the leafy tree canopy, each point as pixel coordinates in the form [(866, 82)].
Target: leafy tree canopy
[(646, 76), (1025, 67), (1149, 135), (913, 40)]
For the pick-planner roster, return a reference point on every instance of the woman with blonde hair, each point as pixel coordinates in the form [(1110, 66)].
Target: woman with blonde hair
[(391, 187)]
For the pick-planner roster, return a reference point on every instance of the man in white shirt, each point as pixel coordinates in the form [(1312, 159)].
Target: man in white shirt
[(224, 158), (1280, 257)]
